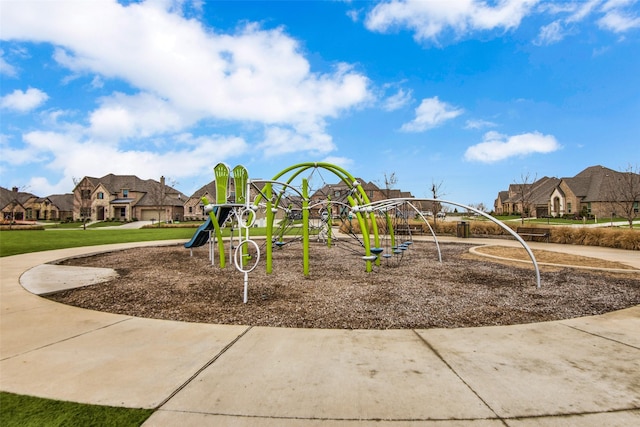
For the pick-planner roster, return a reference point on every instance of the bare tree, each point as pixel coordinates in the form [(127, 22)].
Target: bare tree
[(436, 193), (525, 194), (159, 194), (390, 182), (83, 199), (624, 190)]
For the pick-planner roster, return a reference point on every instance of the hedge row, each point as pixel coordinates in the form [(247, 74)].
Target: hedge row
[(619, 238)]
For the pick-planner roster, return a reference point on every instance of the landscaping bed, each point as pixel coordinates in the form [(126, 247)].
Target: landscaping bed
[(418, 292)]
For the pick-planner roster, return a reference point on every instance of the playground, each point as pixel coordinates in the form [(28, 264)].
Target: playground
[(312, 271), (464, 290)]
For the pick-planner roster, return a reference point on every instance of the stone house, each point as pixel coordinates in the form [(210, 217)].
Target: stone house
[(21, 206), (532, 199), (193, 207), (127, 198), (595, 191), (340, 191)]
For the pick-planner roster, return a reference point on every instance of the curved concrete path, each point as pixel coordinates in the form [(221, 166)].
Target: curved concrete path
[(583, 372)]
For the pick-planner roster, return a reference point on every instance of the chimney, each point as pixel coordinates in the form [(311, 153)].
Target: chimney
[(14, 189), (162, 181)]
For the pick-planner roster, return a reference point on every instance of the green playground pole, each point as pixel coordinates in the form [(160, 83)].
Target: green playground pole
[(305, 226), (364, 230), (218, 232), (392, 236), (269, 231)]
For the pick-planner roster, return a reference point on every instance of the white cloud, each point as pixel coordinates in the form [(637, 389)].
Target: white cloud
[(6, 68), (343, 162), (75, 157), (23, 101), (187, 71), (496, 147), (428, 19), (479, 124), (550, 34), (397, 100), (431, 113), (141, 116), (279, 140), (614, 15), (619, 21)]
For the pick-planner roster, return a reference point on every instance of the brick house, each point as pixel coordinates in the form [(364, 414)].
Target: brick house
[(340, 191), (21, 206), (127, 198), (193, 207), (595, 191), (532, 199)]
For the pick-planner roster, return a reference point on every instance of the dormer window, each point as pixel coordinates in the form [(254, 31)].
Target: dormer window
[(125, 193)]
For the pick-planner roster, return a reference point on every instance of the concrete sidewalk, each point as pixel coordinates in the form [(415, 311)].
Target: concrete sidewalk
[(582, 372)]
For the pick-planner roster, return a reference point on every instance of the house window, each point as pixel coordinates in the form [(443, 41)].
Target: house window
[(635, 207), (85, 212), (336, 193), (29, 213), (85, 194), (568, 207), (101, 195), (190, 209), (589, 208), (125, 193)]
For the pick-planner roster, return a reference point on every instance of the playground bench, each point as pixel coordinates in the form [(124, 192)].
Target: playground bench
[(409, 229), (534, 233)]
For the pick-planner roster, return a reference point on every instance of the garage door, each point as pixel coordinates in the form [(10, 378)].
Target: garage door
[(149, 214)]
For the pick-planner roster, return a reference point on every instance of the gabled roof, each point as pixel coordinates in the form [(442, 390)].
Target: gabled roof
[(63, 202), (593, 184), (116, 183), (209, 188), (7, 196)]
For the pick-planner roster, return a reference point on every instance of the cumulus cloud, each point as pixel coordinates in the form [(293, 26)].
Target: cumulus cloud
[(174, 75), (191, 72), (428, 19), (496, 147), (430, 114), (77, 157), (23, 101)]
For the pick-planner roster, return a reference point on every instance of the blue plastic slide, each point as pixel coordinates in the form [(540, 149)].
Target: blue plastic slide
[(202, 235)]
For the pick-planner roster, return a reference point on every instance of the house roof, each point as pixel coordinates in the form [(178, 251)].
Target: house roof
[(593, 184), (63, 202), (7, 196), (116, 183)]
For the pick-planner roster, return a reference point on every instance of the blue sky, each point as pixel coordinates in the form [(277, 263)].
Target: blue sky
[(470, 94)]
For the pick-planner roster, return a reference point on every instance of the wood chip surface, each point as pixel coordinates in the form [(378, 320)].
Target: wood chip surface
[(412, 291)]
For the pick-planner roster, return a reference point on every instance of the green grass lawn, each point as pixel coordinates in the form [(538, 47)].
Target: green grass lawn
[(26, 411), (15, 242)]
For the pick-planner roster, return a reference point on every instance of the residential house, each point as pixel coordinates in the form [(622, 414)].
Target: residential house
[(593, 192), (532, 199), (127, 198), (338, 194), (14, 204), (596, 191), (21, 206), (194, 208)]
